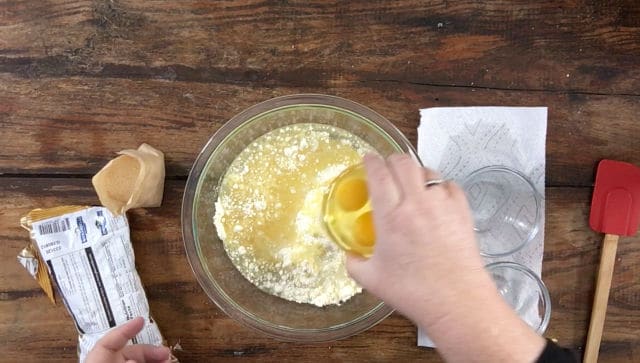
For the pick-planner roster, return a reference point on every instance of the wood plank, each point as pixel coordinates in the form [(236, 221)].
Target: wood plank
[(75, 125), (32, 329), (581, 45)]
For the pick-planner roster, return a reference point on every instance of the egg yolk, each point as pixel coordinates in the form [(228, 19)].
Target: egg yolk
[(351, 194), (363, 231)]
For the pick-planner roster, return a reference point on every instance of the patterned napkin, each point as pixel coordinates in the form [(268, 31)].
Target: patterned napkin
[(458, 140)]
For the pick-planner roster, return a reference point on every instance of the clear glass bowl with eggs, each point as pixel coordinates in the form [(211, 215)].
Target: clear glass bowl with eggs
[(223, 283)]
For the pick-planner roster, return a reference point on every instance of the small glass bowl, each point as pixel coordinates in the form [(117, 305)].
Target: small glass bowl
[(524, 291), (506, 208)]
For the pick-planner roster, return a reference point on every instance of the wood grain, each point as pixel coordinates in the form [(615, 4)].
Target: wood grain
[(581, 46), (75, 125), (82, 79), (33, 329)]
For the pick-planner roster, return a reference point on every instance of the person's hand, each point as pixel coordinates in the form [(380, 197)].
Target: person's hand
[(425, 253), (113, 347), (426, 264)]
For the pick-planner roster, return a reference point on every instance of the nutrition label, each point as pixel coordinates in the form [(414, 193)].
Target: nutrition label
[(90, 258)]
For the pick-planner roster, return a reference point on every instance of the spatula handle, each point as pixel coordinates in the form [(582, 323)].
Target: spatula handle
[(601, 298)]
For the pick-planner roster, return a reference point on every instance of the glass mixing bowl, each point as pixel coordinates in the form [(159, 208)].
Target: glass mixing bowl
[(226, 287)]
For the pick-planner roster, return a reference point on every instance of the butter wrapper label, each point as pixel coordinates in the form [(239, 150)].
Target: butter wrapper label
[(73, 232), (89, 256)]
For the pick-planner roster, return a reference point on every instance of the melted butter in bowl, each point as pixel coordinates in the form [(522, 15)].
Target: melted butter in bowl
[(269, 212)]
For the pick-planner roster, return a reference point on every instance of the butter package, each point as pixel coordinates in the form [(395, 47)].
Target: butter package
[(87, 253), (132, 180)]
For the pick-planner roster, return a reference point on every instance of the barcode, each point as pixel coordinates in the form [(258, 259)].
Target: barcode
[(56, 226)]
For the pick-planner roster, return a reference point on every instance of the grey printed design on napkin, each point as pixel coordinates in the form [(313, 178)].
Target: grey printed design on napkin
[(479, 144)]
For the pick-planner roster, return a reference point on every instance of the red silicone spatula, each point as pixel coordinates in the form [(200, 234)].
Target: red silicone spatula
[(615, 211)]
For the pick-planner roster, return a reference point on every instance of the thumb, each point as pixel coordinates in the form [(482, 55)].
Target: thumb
[(359, 268), (117, 338)]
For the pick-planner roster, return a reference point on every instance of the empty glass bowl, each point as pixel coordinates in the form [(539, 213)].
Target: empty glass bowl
[(222, 282), (505, 207), (524, 291)]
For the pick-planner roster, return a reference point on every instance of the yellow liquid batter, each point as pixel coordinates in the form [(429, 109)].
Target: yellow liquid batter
[(269, 212)]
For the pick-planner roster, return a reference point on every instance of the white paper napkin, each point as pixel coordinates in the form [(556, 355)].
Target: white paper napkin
[(458, 140)]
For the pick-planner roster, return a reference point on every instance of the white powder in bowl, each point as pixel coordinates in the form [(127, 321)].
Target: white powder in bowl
[(269, 212)]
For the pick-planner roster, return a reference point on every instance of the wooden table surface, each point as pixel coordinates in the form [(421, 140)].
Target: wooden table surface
[(80, 80)]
